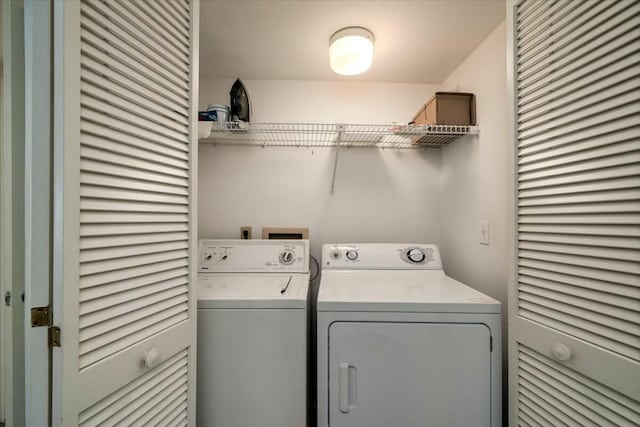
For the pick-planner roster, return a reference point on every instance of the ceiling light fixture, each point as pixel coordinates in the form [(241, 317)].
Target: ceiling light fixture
[(351, 51)]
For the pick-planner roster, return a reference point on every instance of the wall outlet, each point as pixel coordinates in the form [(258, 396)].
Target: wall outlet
[(484, 232), (245, 232)]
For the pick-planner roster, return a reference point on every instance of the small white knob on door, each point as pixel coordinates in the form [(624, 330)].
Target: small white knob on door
[(152, 358), (561, 352)]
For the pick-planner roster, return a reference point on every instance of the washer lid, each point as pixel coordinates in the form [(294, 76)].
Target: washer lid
[(238, 290), (420, 291)]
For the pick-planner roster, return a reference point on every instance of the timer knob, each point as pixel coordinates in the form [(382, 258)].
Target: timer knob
[(416, 255), (352, 255), (287, 257)]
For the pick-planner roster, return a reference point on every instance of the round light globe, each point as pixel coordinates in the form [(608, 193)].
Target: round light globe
[(351, 51)]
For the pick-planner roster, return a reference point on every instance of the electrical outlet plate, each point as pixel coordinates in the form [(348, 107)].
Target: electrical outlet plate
[(245, 232), (484, 232)]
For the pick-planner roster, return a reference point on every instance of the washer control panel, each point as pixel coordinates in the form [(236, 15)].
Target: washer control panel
[(221, 256), (381, 256)]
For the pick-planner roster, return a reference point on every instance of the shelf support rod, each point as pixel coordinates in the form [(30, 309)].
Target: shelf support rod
[(340, 127)]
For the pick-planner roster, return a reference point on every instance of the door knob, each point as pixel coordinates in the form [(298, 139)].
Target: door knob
[(152, 358), (561, 352)]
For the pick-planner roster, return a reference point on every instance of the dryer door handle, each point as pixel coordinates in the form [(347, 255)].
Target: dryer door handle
[(343, 387), (347, 387)]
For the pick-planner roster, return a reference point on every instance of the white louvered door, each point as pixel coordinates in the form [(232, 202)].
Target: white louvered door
[(125, 85), (575, 298)]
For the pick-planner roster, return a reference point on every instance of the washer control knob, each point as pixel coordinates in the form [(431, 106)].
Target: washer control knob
[(416, 255), (351, 255), (287, 257), (335, 254)]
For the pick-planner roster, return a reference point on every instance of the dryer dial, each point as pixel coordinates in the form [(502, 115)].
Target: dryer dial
[(416, 255), (287, 257)]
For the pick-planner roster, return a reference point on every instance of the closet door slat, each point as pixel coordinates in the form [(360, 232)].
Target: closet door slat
[(135, 145), (577, 198)]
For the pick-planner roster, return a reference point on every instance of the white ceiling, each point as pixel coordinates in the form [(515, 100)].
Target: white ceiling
[(416, 41)]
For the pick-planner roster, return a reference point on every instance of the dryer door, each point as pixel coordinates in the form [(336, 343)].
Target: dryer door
[(409, 374)]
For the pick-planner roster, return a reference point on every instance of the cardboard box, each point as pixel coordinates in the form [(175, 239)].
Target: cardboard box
[(448, 108)]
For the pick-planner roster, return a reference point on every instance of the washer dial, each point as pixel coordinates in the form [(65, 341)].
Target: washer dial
[(416, 255), (352, 255), (287, 257)]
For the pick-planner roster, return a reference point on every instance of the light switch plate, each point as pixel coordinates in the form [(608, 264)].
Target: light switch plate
[(484, 232)]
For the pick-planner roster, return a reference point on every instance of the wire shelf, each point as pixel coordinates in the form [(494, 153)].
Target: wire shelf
[(329, 135)]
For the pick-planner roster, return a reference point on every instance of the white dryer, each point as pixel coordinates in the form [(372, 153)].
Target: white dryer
[(400, 344), (252, 333)]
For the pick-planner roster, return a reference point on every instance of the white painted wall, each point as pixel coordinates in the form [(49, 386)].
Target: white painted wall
[(438, 196), (380, 196), (305, 101), (474, 182), (474, 175)]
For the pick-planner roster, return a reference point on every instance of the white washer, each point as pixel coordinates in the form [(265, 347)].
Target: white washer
[(252, 333), (409, 346)]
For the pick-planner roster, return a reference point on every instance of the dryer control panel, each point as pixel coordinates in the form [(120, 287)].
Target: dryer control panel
[(381, 256), (226, 256)]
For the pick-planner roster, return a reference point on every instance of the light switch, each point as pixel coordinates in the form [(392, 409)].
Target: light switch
[(484, 232)]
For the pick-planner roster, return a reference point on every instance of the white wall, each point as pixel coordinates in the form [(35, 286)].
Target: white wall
[(304, 101), (474, 175), (474, 180), (380, 195), (437, 196)]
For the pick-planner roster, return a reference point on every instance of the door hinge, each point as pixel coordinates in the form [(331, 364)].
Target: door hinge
[(54, 336), (40, 316), (490, 344)]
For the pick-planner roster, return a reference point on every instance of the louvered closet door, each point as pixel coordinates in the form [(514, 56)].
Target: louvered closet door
[(125, 79), (575, 315)]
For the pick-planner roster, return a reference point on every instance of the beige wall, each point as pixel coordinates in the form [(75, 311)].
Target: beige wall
[(380, 195)]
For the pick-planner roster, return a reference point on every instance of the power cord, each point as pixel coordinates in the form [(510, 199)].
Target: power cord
[(315, 261)]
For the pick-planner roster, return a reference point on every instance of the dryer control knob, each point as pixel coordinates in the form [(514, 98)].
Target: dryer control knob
[(351, 255), (416, 255), (287, 257)]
